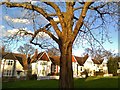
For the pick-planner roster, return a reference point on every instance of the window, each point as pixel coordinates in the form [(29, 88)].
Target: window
[(7, 72), (9, 62), (81, 69), (43, 63), (53, 68)]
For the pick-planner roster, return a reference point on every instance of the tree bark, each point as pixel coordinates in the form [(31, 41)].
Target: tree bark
[(66, 72)]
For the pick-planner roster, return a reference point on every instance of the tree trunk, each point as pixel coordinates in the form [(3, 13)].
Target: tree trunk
[(29, 72), (66, 72)]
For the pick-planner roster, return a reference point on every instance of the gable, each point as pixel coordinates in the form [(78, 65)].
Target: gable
[(9, 56), (81, 60), (44, 57), (35, 57), (97, 61), (73, 59)]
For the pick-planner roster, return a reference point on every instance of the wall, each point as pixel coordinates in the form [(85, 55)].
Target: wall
[(8, 69)]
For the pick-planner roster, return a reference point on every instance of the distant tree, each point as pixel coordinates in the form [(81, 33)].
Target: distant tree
[(113, 65), (26, 49), (98, 53), (53, 52), (5, 48)]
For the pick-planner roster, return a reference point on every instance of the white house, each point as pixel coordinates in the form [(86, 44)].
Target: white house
[(11, 64), (79, 65), (43, 64)]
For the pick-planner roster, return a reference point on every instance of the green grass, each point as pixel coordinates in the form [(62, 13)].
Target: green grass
[(97, 82), (90, 82)]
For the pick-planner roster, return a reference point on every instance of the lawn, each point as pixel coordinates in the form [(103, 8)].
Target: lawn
[(90, 82)]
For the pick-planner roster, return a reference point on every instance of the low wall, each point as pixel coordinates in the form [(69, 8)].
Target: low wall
[(47, 77), (108, 75)]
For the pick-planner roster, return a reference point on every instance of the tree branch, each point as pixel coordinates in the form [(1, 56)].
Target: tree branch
[(81, 18), (25, 32), (44, 29), (93, 36), (27, 6), (58, 12), (78, 8), (48, 33), (39, 10)]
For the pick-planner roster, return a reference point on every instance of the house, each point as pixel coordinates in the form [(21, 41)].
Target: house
[(43, 64), (12, 63), (79, 65), (100, 67)]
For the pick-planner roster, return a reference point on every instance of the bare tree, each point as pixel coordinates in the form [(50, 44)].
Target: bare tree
[(74, 20), (98, 54), (26, 49), (53, 52)]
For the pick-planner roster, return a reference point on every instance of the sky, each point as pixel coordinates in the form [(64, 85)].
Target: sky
[(10, 18)]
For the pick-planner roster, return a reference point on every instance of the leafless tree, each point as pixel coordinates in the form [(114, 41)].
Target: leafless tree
[(26, 49), (74, 20), (98, 54), (53, 52)]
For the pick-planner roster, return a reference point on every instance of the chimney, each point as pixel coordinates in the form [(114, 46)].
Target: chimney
[(29, 59), (3, 49), (36, 53), (29, 55)]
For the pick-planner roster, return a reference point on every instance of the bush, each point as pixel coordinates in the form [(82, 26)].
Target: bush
[(8, 79), (33, 77), (113, 65), (99, 73)]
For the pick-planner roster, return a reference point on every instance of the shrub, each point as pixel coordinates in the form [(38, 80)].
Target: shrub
[(4, 79), (33, 77)]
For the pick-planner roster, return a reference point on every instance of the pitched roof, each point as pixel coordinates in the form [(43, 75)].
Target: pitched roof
[(81, 60), (44, 57), (73, 59), (9, 56), (23, 60), (97, 61), (55, 60), (40, 56)]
